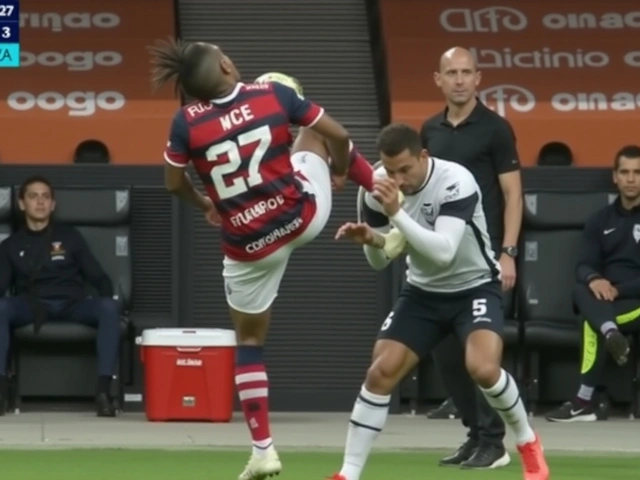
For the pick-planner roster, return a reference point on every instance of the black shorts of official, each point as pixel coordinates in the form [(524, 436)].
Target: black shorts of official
[(420, 319)]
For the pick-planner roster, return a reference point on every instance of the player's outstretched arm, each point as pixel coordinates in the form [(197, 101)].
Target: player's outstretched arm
[(176, 157), (440, 245), (372, 241), (337, 138), (304, 113), (457, 203)]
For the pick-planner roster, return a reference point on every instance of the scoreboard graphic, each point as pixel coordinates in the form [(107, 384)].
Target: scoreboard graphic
[(9, 33)]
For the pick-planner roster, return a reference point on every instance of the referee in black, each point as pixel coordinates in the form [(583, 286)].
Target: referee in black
[(471, 134)]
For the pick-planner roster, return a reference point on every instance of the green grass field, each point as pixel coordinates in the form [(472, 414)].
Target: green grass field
[(226, 465)]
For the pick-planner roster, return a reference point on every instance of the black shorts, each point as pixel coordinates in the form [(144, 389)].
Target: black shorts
[(420, 320)]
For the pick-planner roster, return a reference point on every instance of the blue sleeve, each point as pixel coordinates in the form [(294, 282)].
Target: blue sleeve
[(300, 111), (177, 151)]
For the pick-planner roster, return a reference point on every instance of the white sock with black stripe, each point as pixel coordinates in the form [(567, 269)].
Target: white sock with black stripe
[(367, 421), (504, 397)]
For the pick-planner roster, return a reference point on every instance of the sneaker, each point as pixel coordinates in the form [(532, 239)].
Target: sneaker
[(618, 346), (488, 456), (534, 465), (447, 410), (573, 412), (462, 454), (262, 466)]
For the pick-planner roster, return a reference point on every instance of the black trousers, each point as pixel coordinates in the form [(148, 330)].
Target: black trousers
[(593, 314), (484, 424)]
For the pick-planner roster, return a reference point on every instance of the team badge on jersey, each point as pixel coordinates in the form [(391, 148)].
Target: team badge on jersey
[(428, 212)]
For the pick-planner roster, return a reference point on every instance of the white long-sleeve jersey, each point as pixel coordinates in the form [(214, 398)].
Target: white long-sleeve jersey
[(448, 244)]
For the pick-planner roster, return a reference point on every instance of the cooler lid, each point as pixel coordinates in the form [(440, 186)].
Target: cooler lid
[(185, 337)]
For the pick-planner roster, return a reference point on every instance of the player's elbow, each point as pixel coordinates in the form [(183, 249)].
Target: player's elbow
[(444, 257)]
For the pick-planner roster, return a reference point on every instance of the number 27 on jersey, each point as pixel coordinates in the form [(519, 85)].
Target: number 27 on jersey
[(261, 137)]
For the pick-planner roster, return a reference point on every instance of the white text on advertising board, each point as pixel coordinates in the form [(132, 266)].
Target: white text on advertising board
[(78, 104), (595, 101), (514, 98), (77, 61), (542, 58), (83, 102), (503, 97), (496, 19), (57, 22)]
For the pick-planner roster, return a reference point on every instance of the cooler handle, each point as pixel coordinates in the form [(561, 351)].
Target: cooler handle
[(188, 349)]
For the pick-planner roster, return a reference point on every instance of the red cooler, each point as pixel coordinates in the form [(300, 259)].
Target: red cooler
[(188, 373)]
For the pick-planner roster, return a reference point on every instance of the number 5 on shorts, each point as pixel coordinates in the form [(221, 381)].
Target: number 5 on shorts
[(479, 307)]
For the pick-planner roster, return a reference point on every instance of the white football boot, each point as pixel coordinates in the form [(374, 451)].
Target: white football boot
[(262, 466)]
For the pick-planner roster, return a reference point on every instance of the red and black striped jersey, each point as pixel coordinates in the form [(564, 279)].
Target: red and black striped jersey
[(240, 147)]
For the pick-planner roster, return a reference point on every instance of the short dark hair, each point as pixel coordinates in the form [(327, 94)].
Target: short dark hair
[(628, 151), (186, 64), (30, 181), (395, 138)]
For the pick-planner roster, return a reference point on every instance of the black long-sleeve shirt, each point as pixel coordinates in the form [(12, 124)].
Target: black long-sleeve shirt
[(53, 263), (611, 249)]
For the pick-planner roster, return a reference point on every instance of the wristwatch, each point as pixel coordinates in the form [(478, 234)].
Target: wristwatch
[(511, 251)]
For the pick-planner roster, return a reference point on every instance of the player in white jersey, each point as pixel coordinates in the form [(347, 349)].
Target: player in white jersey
[(452, 285)]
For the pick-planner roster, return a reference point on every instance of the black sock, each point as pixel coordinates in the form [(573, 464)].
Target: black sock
[(104, 384)]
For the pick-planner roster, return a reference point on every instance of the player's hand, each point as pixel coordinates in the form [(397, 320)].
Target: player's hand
[(360, 233), (603, 290), (385, 191), (338, 181), (211, 214), (508, 267)]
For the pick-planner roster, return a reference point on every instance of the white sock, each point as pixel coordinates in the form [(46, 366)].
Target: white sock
[(260, 447), (367, 420), (504, 397)]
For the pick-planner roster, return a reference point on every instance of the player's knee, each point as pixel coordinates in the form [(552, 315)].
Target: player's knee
[(380, 379), (485, 373), (382, 375)]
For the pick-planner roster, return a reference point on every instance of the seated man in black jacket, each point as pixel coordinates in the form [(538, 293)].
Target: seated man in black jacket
[(47, 264), (608, 292)]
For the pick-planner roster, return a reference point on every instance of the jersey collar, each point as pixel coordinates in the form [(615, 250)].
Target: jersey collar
[(432, 165), (230, 97)]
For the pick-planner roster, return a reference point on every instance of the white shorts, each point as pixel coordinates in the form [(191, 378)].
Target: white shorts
[(251, 287)]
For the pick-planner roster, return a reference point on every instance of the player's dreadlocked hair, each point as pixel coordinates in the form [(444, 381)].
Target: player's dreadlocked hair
[(187, 64)]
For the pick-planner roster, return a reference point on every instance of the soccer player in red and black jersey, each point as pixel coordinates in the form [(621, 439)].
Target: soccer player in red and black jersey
[(268, 198)]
